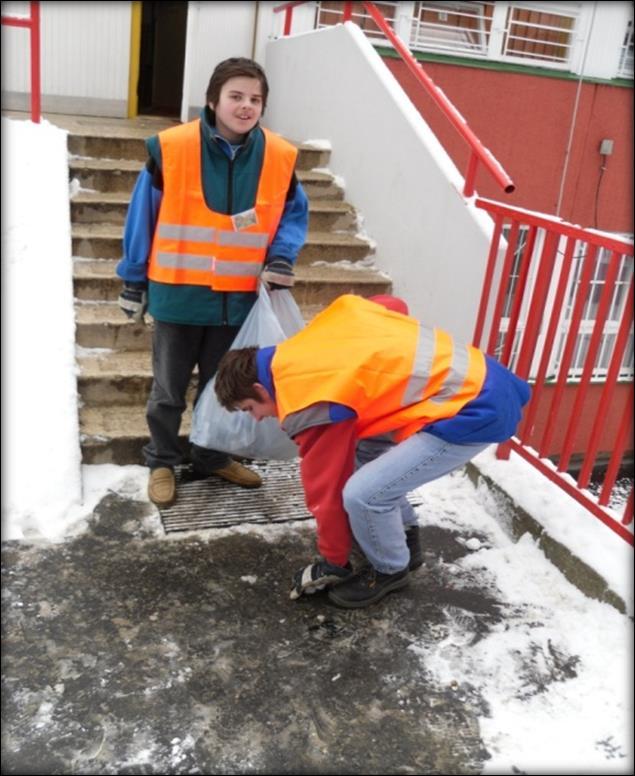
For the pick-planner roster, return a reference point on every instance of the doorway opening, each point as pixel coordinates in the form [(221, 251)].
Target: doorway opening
[(162, 58)]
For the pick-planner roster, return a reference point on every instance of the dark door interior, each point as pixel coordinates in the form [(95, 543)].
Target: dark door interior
[(162, 57)]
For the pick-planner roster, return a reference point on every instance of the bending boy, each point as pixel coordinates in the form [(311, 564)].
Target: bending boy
[(378, 405)]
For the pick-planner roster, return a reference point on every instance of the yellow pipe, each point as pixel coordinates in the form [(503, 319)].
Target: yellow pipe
[(135, 51)]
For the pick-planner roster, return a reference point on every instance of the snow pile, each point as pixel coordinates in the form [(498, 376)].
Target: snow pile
[(318, 145), (41, 428), (566, 521), (553, 671)]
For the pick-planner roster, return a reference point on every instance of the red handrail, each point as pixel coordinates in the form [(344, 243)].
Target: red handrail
[(548, 400), (479, 154), (288, 14), (32, 23)]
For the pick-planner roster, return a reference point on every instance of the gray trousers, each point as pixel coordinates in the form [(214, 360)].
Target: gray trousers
[(176, 350)]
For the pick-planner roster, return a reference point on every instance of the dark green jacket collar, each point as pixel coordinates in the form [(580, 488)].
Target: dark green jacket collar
[(208, 122)]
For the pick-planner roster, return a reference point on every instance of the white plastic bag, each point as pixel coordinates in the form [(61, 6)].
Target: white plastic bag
[(238, 433)]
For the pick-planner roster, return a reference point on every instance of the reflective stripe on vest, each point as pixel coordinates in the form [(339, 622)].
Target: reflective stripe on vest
[(194, 245), (207, 264), (396, 374), (316, 415)]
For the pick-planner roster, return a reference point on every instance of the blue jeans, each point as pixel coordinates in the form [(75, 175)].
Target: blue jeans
[(375, 495)]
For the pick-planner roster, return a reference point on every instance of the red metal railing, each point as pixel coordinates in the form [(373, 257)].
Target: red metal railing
[(534, 326), (32, 23), (525, 323), (479, 154)]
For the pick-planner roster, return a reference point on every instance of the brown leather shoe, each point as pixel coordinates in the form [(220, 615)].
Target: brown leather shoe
[(239, 475), (162, 487)]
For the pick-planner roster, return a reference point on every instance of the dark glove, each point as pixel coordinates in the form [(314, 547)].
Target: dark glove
[(133, 300), (278, 274)]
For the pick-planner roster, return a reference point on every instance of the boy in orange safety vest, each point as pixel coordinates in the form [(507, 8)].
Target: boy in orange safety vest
[(378, 405), (216, 210)]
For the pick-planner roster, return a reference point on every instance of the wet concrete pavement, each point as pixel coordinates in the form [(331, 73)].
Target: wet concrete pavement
[(125, 652)]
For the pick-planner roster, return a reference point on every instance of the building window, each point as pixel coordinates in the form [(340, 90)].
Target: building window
[(330, 13), (616, 310), (452, 28), (528, 33), (538, 35), (543, 34), (587, 324), (625, 69)]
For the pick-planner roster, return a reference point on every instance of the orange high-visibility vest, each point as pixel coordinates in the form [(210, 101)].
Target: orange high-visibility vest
[(396, 374), (194, 245)]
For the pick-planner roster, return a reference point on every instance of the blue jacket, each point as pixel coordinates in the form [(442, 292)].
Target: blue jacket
[(230, 176)]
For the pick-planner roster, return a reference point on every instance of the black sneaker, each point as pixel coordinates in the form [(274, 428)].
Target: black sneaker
[(367, 587), (317, 576), (414, 547)]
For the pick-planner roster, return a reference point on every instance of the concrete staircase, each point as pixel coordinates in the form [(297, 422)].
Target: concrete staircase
[(114, 354)]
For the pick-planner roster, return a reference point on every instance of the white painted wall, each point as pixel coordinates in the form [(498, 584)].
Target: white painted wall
[(216, 31), (85, 56), (606, 35), (332, 84), (219, 30)]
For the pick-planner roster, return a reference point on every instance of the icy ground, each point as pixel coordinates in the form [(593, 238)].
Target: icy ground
[(489, 649)]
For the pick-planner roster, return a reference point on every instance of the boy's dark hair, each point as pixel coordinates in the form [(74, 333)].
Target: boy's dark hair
[(235, 377), (232, 68)]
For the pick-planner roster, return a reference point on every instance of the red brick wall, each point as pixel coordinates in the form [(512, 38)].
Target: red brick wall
[(525, 120)]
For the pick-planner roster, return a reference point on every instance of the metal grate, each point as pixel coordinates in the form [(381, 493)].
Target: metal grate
[(214, 503)]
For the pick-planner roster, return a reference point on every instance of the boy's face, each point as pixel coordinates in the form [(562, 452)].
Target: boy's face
[(239, 107), (263, 407)]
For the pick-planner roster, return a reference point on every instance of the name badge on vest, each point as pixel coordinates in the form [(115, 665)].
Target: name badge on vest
[(245, 219)]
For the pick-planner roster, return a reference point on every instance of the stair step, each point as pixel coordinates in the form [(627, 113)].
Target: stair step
[(310, 157), (318, 286), (118, 434), (105, 174), (104, 241), (104, 325), (109, 363), (121, 378), (115, 378), (95, 207), (121, 174), (332, 247), (331, 214), (98, 146), (95, 281), (137, 127), (131, 145), (320, 185)]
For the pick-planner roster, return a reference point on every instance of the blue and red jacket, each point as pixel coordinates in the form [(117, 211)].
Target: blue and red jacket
[(327, 451)]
